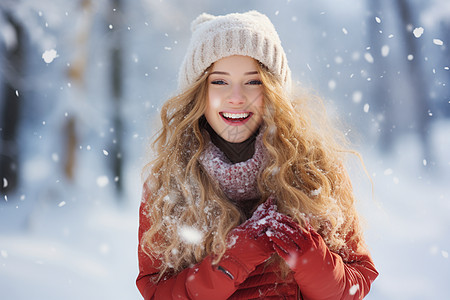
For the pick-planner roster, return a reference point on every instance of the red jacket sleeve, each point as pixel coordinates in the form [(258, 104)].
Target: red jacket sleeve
[(202, 281), (324, 274)]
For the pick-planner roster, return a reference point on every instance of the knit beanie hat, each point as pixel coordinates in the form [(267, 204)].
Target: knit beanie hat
[(249, 34)]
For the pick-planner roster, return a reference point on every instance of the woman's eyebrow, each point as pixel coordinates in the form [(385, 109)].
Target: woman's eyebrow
[(219, 72), (226, 73)]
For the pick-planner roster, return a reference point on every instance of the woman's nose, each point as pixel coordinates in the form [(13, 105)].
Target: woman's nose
[(237, 96)]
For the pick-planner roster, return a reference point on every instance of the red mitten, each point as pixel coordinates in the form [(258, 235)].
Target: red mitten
[(248, 244), (320, 273), (290, 241)]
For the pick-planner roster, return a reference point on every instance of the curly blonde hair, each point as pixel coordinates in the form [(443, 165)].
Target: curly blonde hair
[(305, 173)]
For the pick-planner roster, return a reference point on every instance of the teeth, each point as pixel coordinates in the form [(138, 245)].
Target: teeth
[(235, 116)]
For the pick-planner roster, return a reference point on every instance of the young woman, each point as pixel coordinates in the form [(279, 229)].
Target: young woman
[(248, 197)]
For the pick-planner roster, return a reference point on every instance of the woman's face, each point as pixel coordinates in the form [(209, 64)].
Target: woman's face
[(235, 98)]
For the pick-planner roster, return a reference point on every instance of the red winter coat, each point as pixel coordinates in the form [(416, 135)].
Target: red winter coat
[(325, 276)]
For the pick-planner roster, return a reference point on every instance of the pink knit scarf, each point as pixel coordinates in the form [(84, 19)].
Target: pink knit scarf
[(238, 181)]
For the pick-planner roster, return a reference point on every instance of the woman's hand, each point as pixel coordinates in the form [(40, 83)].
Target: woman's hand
[(319, 272), (290, 241), (248, 243)]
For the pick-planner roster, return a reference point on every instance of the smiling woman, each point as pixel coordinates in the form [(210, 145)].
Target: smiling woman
[(247, 198)]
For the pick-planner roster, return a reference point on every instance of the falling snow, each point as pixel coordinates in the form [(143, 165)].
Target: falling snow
[(418, 32), (366, 107), (368, 57), (438, 42), (331, 84), (49, 55), (385, 50), (357, 96), (102, 181), (353, 289), (55, 157), (316, 192), (388, 171), (190, 234)]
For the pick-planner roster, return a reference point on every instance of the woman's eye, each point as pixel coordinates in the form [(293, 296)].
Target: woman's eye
[(255, 82), (219, 82)]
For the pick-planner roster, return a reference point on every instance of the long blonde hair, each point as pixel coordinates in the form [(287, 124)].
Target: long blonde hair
[(305, 173)]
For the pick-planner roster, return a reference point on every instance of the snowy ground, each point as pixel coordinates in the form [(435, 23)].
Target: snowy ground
[(86, 249), (408, 223)]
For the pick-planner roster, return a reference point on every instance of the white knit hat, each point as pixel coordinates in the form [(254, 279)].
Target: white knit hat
[(249, 34)]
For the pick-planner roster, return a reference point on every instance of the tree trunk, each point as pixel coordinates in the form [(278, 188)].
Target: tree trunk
[(116, 20), (445, 30), (76, 74), (381, 90), (10, 120), (418, 84)]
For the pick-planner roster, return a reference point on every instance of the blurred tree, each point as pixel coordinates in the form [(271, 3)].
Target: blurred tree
[(384, 82), (382, 101), (116, 24), (76, 74), (12, 85), (419, 86), (445, 104)]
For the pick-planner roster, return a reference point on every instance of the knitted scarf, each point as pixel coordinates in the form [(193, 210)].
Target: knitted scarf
[(238, 181)]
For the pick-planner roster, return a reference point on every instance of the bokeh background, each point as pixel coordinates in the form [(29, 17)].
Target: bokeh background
[(81, 85)]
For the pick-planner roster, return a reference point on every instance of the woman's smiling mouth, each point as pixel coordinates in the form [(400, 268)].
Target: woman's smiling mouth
[(236, 118)]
